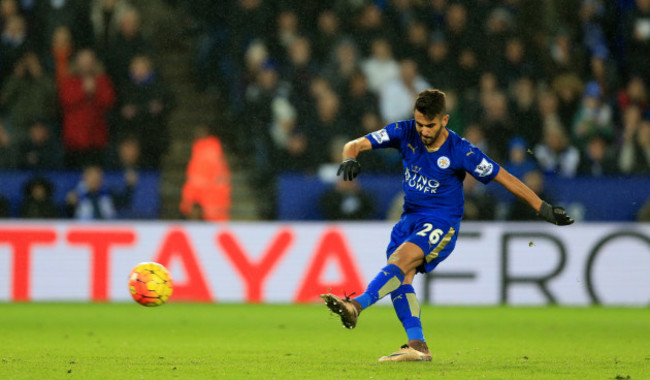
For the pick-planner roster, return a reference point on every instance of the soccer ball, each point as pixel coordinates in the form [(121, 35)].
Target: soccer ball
[(150, 284)]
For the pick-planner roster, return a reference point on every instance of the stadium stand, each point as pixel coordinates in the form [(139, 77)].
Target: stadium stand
[(284, 80)]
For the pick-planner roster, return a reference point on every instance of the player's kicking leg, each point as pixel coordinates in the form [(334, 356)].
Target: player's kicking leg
[(347, 308), (389, 279)]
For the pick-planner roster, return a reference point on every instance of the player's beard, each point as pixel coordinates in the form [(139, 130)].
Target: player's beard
[(431, 140)]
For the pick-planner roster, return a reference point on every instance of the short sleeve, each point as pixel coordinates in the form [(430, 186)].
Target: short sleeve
[(478, 164), (387, 137)]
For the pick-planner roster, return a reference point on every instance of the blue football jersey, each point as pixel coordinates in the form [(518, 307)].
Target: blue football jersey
[(433, 180)]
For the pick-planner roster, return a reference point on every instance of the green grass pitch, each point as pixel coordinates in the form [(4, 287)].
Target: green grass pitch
[(218, 341)]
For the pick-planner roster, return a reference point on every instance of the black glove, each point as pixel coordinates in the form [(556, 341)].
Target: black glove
[(350, 169), (555, 215)]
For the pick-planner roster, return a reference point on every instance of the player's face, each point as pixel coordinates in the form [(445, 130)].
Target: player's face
[(430, 129)]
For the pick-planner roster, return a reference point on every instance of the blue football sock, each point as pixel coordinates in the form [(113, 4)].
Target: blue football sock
[(387, 280), (407, 308)]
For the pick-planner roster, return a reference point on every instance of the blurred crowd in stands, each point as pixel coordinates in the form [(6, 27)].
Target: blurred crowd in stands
[(78, 84), (555, 87), (79, 89)]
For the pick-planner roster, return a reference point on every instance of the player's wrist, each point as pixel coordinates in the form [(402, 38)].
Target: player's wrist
[(546, 211), (554, 214)]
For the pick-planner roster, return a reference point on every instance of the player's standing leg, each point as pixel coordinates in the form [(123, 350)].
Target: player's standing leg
[(407, 309)]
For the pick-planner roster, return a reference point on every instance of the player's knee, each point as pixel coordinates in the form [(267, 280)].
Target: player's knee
[(406, 259)]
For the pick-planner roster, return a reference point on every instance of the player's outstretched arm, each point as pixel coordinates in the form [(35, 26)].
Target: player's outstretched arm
[(350, 167), (550, 213)]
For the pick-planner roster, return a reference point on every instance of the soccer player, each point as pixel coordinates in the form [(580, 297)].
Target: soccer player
[(435, 161)]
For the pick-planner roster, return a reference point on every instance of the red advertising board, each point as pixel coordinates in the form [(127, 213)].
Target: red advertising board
[(524, 263)]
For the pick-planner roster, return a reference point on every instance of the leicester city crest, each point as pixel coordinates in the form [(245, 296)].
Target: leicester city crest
[(443, 162)]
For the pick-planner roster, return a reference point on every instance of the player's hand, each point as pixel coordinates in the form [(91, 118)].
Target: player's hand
[(554, 214), (350, 169)]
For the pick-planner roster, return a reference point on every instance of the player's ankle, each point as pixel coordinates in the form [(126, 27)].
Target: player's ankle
[(419, 345), (357, 305)]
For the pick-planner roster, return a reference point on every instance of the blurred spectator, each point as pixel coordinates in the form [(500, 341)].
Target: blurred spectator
[(144, 104), (213, 59), (598, 159), (7, 149), (61, 50), (380, 67), (521, 211), (124, 46), (86, 95), (327, 36), (257, 116), (469, 69), (547, 105), (555, 155), (208, 178), (637, 35), (37, 200), (300, 70), (635, 153), (8, 9), (497, 125), (516, 63), (91, 200), (479, 204), (126, 155), (13, 45), (397, 96), (440, 69), (569, 91), (562, 57), (519, 160), (27, 95), (40, 151), (248, 20), (498, 29), (635, 93), (286, 31), (327, 124), (594, 115), (256, 59), (346, 200), (342, 65), (526, 118), (357, 100), (591, 17), (458, 33), (370, 26), (416, 43), (290, 151), (105, 16), (603, 70)]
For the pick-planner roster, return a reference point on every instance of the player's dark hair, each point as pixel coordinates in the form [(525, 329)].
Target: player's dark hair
[(431, 103)]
